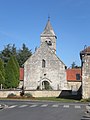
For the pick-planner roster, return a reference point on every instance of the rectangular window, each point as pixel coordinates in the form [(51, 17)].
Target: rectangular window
[(43, 63), (77, 76)]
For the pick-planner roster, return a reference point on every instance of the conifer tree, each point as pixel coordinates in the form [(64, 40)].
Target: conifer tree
[(2, 73), (23, 54), (12, 74), (2, 67), (15, 67)]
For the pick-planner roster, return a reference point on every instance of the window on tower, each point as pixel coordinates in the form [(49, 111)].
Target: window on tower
[(43, 63), (49, 43)]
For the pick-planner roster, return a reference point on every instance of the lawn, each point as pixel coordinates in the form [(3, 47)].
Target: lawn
[(56, 99)]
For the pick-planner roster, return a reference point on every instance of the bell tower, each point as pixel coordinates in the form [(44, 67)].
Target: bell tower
[(85, 65), (49, 36)]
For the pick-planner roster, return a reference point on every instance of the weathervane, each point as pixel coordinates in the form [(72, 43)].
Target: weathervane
[(48, 17)]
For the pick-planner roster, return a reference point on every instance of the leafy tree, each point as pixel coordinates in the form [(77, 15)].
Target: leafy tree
[(23, 54), (12, 74)]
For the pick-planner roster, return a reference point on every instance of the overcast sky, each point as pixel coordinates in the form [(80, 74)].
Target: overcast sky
[(22, 21)]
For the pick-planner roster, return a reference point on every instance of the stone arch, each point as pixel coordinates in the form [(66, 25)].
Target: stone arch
[(46, 84), (46, 79)]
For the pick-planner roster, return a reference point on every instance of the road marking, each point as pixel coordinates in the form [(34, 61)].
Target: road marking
[(13, 106), (77, 106), (33, 105), (23, 106), (66, 106), (55, 105), (85, 118), (44, 105)]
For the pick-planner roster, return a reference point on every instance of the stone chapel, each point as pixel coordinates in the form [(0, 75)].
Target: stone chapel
[(44, 70)]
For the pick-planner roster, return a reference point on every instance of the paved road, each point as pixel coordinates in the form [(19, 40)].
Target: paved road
[(30, 110)]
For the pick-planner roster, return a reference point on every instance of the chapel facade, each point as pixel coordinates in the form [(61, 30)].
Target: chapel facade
[(44, 70)]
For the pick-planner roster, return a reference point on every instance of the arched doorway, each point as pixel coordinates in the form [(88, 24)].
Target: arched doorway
[(46, 85)]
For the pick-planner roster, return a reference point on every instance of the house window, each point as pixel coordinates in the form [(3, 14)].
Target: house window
[(77, 76), (43, 63)]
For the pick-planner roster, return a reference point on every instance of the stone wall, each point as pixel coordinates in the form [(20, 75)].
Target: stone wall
[(44, 93), (74, 85), (5, 93), (53, 72), (86, 77)]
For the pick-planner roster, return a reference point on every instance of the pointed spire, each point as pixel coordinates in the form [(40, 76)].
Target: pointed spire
[(48, 29), (48, 17)]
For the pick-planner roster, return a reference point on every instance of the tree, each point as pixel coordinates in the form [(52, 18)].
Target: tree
[(2, 79), (12, 74), (17, 67), (2, 73), (73, 65), (23, 54), (7, 52), (2, 67)]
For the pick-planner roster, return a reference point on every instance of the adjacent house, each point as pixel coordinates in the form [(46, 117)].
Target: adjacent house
[(73, 76)]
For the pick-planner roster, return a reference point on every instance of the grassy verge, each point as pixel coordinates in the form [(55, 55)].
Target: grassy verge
[(43, 99), (56, 99)]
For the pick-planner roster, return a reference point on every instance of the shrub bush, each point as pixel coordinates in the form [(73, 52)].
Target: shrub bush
[(11, 95), (28, 95)]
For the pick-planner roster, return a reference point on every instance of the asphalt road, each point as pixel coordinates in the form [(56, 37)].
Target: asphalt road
[(32, 110)]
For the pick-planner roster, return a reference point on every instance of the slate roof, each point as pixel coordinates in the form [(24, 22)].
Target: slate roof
[(48, 30), (86, 50)]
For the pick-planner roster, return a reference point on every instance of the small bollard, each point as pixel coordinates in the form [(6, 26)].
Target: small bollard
[(87, 113)]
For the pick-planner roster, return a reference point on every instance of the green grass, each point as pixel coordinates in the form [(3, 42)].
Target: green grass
[(43, 99), (56, 99)]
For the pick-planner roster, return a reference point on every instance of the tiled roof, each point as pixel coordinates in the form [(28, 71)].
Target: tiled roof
[(71, 74), (21, 74)]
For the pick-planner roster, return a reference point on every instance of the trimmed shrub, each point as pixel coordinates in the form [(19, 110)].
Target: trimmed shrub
[(11, 95), (28, 95)]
